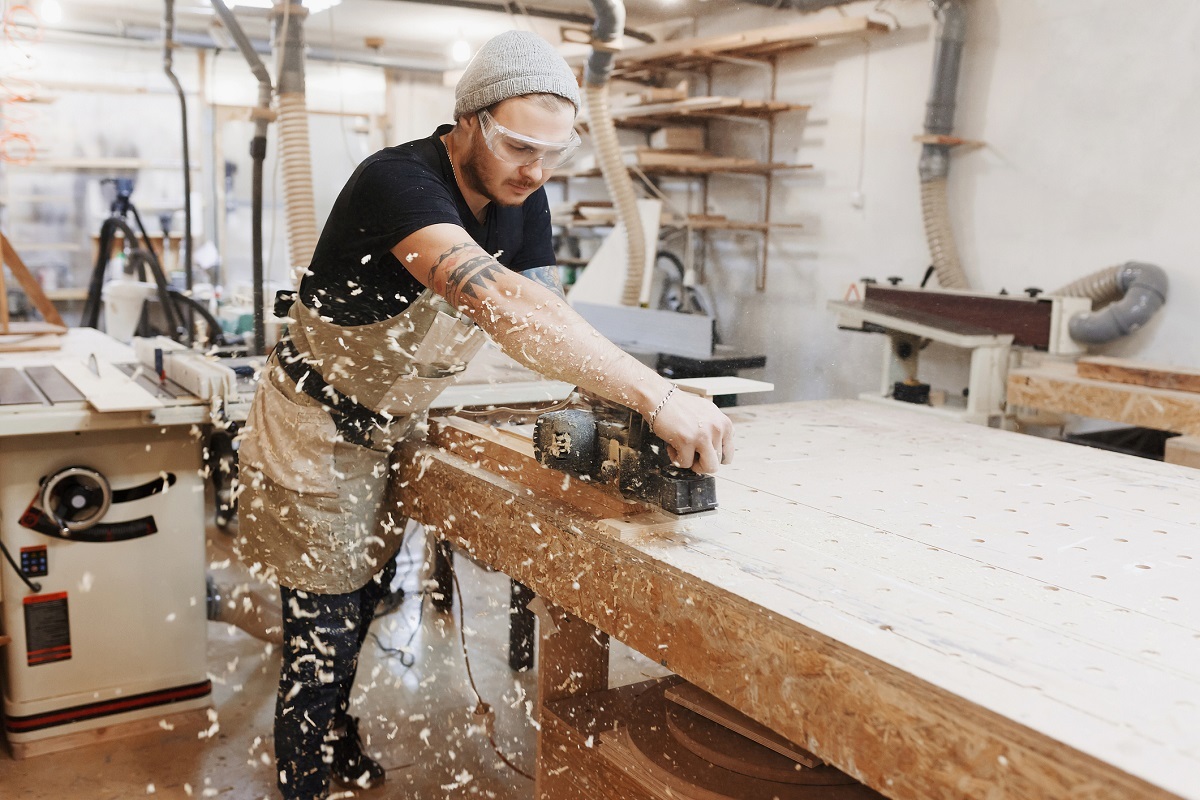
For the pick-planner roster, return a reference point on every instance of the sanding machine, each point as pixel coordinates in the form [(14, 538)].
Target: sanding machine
[(991, 329)]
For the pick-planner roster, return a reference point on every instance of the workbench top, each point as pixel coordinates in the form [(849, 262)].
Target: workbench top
[(940, 609)]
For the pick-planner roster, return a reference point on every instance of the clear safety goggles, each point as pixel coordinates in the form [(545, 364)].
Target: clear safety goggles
[(516, 148)]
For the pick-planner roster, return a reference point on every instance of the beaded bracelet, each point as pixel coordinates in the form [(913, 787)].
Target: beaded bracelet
[(659, 407)]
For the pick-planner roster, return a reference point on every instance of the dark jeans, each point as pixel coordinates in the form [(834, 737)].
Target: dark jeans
[(322, 636)]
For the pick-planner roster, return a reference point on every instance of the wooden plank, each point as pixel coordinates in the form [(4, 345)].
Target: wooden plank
[(572, 661), (860, 595), (1122, 370), (758, 41), (709, 707), (512, 456), (29, 284), (194, 719), (110, 390), (723, 385), (1183, 451), (29, 342), (1056, 387)]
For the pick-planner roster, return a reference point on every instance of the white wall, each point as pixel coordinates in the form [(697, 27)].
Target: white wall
[(1090, 112)]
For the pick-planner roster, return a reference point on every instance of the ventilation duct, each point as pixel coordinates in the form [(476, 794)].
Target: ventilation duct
[(1129, 295), (935, 158), (606, 38)]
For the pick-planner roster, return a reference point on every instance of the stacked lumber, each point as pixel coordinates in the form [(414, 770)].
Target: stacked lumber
[(761, 43)]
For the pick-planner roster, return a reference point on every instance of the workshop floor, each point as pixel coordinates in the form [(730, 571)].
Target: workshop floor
[(418, 717)]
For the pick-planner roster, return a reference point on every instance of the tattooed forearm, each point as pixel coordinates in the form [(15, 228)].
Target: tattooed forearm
[(468, 271), (548, 277)]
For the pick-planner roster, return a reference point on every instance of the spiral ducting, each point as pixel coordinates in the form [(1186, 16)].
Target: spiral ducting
[(606, 35), (935, 158), (295, 153)]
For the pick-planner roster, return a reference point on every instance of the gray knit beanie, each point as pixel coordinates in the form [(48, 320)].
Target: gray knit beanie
[(509, 65)]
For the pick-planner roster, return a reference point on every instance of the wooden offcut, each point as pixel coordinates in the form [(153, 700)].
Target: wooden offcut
[(759, 43), (33, 291), (1183, 451), (1123, 370), (1057, 387), (713, 709)]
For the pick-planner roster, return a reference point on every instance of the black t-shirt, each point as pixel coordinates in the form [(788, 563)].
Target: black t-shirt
[(355, 279)]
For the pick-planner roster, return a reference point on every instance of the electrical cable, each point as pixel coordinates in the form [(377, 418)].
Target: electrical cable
[(481, 708), (34, 586)]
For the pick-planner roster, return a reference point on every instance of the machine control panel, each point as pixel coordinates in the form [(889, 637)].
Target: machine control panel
[(35, 562)]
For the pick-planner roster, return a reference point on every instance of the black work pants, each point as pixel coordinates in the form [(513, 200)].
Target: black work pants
[(322, 637)]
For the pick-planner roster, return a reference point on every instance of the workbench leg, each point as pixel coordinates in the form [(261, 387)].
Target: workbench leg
[(520, 627), (572, 660), (441, 573)]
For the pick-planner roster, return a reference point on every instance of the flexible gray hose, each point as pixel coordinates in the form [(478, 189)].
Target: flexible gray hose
[(1142, 289), (610, 19)]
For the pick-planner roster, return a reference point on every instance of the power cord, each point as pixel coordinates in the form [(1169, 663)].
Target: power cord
[(483, 711), (34, 586)]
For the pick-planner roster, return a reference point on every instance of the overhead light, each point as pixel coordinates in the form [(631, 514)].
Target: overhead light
[(317, 6), (312, 6), (460, 51), (50, 11)]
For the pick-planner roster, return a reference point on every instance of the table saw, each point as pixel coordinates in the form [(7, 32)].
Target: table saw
[(941, 610), (102, 513)]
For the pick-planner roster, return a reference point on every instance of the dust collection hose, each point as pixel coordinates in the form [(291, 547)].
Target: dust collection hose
[(258, 153), (168, 67), (1128, 296), (606, 37), (295, 153), (935, 158)]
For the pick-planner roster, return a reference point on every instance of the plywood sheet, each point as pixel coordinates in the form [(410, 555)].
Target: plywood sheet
[(940, 609), (106, 387), (1124, 370)]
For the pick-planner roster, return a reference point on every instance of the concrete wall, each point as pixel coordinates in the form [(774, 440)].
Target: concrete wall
[(1089, 111)]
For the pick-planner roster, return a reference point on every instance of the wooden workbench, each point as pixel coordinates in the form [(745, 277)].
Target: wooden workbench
[(941, 610)]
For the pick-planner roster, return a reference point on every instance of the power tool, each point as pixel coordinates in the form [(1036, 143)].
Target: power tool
[(616, 446)]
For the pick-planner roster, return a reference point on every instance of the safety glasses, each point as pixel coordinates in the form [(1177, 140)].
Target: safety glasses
[(521, 150)]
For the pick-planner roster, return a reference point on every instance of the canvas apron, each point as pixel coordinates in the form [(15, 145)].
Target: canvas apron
[(316, 510)]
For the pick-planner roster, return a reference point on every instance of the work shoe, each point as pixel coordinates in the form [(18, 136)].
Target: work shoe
[(351, 767)]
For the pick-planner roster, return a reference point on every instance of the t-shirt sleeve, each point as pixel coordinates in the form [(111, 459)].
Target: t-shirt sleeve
[(395, 199), (537, 245)]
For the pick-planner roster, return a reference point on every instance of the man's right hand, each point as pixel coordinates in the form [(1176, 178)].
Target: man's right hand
[(697, 433)]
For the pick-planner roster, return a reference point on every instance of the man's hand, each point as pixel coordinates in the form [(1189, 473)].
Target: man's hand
[(697, 433)]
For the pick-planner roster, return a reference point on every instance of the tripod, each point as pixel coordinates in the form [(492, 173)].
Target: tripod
[(175, 308)]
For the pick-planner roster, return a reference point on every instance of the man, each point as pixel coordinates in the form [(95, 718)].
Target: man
[(430, 244)]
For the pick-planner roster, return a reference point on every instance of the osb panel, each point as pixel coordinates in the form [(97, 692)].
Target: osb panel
[(1057, 388), (904, 737)]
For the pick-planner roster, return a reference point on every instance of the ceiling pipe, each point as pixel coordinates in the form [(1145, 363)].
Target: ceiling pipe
[(263, 115), (543, 13)]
